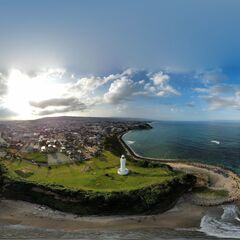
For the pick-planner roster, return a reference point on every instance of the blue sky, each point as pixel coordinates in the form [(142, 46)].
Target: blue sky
[(170, 60)]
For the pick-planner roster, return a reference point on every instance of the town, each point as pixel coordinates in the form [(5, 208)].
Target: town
[(51, 141)]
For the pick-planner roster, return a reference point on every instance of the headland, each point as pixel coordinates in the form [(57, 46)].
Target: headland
[(91, 186)]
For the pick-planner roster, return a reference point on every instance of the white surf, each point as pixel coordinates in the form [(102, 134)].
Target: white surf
[(226, 226)]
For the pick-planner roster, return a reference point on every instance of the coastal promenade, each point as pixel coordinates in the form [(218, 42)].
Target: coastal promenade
[(218, 178)]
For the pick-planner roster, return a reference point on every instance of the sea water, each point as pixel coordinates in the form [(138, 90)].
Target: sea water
[(215, 143), (208, 142)]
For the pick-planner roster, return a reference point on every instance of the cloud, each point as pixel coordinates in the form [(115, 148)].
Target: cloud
[(213, 76), (221, 96), (218, 102), (88, 84), (58, 105), (120, 90), (57, 91), (56, 102), (131, 84), (162, 86), (218, 89), (3, 85), (191, 104), (160, 78), (6, 113), (78, 108), (202, 90)]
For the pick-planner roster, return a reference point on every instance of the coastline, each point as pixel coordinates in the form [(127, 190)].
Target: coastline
[(28, 214), (24, 220), (220, 178), (145, 191), (18, 217)]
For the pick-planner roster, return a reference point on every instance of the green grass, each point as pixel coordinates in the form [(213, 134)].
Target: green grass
[(35, 156), (204, 192), (98, 174)]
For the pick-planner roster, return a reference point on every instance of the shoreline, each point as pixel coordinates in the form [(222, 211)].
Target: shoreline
[(219, 176), (37, 218), (28, 214)]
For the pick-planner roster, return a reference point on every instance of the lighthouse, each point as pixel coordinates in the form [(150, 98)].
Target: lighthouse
[(122, 170)]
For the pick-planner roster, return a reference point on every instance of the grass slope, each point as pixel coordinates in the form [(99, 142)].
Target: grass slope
[(98, 174)]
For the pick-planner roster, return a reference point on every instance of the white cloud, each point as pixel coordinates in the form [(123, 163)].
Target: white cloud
[(218, 102), (3, 85), (56, 90), (213, 76), (88, 84), (160, 78), (120, 90), (162, 86), (125, 87), (201, 90), (221, 96)]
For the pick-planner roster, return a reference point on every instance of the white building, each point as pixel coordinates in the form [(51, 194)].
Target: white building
[(43, 149), (122, 170)]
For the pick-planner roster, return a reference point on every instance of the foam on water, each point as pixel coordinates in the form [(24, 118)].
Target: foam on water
[(215, 141), (226, 226)]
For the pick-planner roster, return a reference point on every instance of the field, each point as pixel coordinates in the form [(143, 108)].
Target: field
[(98, 174)]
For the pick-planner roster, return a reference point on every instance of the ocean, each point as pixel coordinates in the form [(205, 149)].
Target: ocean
[(215, 143)]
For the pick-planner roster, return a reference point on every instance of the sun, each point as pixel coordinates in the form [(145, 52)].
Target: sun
[(22, 89), (19, 89)]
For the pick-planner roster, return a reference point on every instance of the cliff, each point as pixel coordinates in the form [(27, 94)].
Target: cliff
[(152, 199)]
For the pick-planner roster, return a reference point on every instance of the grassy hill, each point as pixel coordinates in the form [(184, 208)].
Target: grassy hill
[(98, 174), (94, 187)]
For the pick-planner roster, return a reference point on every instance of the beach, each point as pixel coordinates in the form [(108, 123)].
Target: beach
[(19, 213), (23, 220), (24, 213)]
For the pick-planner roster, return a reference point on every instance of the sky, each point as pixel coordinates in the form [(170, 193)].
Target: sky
[(155, 59)]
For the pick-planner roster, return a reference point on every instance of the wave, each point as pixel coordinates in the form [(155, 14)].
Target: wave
[(130, 142), (226, 226), (215, 141)]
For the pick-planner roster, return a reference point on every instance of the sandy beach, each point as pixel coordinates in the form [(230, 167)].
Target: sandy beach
[(24, 213), (23, 220)]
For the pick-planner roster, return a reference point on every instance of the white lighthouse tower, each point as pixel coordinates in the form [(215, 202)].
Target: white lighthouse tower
[(122, 170)]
